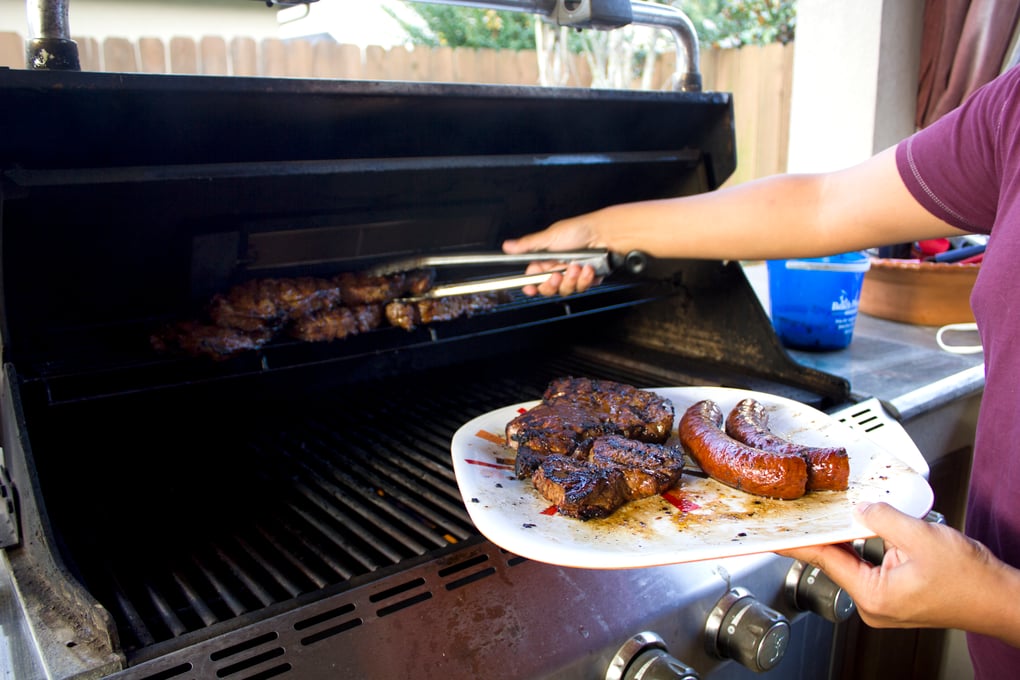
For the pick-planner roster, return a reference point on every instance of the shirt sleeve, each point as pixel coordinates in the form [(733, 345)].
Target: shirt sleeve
[(954, 167)]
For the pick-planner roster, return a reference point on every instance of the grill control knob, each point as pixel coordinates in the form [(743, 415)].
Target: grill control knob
[(742, 628), (809, 589), (644, 657)]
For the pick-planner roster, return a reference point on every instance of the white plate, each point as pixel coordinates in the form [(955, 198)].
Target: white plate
[(699, 519)]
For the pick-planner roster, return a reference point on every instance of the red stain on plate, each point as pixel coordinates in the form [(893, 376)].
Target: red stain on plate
[(679, 502), (551, 510), (498, 466)]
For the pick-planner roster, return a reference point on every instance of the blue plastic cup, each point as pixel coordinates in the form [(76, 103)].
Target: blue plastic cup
[(814, 300)]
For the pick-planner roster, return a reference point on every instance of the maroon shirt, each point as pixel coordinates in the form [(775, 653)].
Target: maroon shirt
[(965, 168)]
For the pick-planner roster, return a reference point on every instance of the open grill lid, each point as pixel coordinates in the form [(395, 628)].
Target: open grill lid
[(130, 199)]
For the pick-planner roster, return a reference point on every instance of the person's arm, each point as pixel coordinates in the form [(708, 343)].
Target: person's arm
[(784, 216), (932, 576)]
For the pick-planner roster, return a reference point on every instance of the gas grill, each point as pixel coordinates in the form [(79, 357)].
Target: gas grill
[(292, 511)]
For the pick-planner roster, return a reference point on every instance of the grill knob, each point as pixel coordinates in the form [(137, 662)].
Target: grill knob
[(742, 628), (809, 589), (644, 657)]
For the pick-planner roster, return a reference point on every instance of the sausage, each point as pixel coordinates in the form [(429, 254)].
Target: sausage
[(828, 467), (736, 464)]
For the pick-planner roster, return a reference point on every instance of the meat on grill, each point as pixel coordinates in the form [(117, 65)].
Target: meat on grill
[(413, 313), (363, 289), (198, 339), (269, 303), (575, 411), (314, 309), (337, 323)]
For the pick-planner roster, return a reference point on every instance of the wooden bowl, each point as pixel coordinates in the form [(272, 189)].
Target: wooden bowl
[(923, 293)]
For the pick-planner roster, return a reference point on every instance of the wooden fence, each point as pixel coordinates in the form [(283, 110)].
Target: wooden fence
[(758, 77)]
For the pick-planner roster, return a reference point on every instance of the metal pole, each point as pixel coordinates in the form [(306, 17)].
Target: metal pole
[(50, 46)]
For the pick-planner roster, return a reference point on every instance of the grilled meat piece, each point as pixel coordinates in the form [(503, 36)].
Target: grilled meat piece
[(580, 489), (560, 428), (576, 410), (408, 314), (634, 413), (270, 303), (362, 289), (198, 339), (337, 323), (648, 469)]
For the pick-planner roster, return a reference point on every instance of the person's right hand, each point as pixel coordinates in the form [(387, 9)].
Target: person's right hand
[(569, 234), (919, 583)]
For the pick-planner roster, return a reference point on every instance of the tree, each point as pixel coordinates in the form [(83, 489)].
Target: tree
[(450, 26), (733, 23)]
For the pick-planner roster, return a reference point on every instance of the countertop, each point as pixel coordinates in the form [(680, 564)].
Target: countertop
[(900, 364)]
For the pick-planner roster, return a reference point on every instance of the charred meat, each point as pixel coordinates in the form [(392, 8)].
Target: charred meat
[(576, 410), (338, 323), (591, 446), (410, 314), (209, 340), (580, 489), (648, 469), (636, 414), (361, 289), (314, 309), (270, 303)]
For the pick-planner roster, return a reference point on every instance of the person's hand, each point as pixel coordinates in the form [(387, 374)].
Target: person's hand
[(570, 234), (932, 576)]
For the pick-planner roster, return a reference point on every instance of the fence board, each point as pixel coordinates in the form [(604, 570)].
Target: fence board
[(244, 57), (183, 56), (151, 55), (213, 56), (12, 50), (274, 58), (89, 54), (119, 55)]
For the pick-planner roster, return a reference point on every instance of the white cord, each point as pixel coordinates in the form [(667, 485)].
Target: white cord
[(957, 349)]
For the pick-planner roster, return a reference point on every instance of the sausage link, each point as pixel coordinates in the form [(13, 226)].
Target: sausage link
[(735, 464), (828, 467)]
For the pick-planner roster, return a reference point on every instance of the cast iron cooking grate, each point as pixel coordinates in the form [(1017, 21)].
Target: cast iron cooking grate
[(284, 504)]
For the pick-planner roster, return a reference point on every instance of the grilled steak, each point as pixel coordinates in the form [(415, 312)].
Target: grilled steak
[(338, 323), (634, 413), (580, 489), (648, 469), (362, 289), (313, 309), (558, 428), (615, 470), (269, 303), (216, 342), (413, 313), (580, 409), (592, 445)]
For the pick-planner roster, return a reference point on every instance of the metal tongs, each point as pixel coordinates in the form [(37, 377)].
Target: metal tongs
[(601, 260)]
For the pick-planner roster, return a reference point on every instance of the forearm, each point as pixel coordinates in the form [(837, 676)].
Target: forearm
[(776, 217)]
